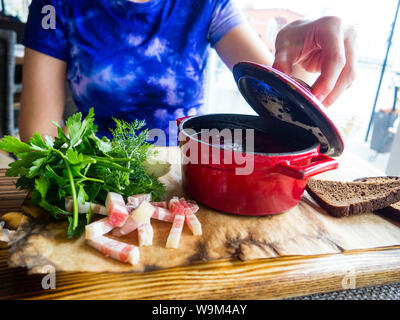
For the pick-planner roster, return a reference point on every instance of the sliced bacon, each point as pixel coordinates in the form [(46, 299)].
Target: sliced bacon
[(84, 208), (143, 213), (135, 200), (115, 249), (163, 214), (175, 206), (176, 231), (145, 234), (191, 220), (116, 209), (98, 228), (177, 210), (161, 204), (192, 205), (129, 226), (194, 224), (138, 216)]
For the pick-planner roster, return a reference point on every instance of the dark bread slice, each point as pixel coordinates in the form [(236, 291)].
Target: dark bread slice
[(377, 179), (392, 211), (342, 199)]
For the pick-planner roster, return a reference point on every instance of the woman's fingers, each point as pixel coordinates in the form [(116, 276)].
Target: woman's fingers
[(348, 73), (288, 46), (333, 56), (324, 45), (332, 66), (285, 59), (344, 82)]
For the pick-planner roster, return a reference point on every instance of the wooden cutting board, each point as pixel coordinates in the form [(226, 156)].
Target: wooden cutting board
[(282, 276)]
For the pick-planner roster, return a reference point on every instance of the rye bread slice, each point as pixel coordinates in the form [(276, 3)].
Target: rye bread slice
[(392, 211), (342, 199), (385, 179)]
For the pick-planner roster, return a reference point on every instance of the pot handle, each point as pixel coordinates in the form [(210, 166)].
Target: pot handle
[(319, 164)]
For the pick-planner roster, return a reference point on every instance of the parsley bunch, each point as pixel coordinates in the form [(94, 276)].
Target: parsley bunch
[(82, 166)]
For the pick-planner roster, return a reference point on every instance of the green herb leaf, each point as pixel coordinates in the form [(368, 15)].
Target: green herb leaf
[(75, 232), (92, 190), (82, 196), (78, 129), (36, 167), (14, 145), (61, 138), (50, 173), (89, 215), (21, 167), (54, 210), (73, 156), (36, 142), (48, 141)]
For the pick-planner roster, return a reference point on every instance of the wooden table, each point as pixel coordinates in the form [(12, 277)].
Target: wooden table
[(224, 279)]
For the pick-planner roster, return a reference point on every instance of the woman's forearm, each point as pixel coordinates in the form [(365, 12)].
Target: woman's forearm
[(243, 44), (43, 94)]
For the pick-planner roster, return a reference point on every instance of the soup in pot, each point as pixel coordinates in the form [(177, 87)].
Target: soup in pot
[(248, 141)]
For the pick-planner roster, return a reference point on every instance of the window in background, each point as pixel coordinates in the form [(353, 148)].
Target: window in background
[(353, 109), (17, 9), (266, 22), (272, 28)]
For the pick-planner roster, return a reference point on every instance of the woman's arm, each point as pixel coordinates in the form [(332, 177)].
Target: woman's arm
[(43, 94), (243, 44)]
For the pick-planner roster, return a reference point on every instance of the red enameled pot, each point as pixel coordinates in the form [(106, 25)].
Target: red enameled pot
[(291, 141), (251, 183)]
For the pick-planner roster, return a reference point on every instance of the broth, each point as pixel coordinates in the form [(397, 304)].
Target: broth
[(270, 134), (263, 143)]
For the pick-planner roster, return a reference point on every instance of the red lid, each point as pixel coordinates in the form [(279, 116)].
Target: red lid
[(272, 93)]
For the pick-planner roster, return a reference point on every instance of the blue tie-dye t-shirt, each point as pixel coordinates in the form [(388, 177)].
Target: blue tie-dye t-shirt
[(133, 60)]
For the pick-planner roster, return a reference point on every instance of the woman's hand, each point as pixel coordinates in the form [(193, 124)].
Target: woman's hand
[(325, 45)]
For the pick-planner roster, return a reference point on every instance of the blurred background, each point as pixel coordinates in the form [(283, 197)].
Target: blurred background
[(367, 113)]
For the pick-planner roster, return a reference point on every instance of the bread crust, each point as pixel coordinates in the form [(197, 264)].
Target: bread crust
[(392, 211), (355, 208)]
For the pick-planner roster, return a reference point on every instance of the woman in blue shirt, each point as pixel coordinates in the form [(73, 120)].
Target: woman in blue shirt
[(135, 59)]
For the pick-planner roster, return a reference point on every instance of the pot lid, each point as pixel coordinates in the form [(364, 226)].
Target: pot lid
[(272, 93)]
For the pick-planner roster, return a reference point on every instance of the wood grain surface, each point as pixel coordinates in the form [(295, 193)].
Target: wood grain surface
[(10, 198), (223, 279)]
